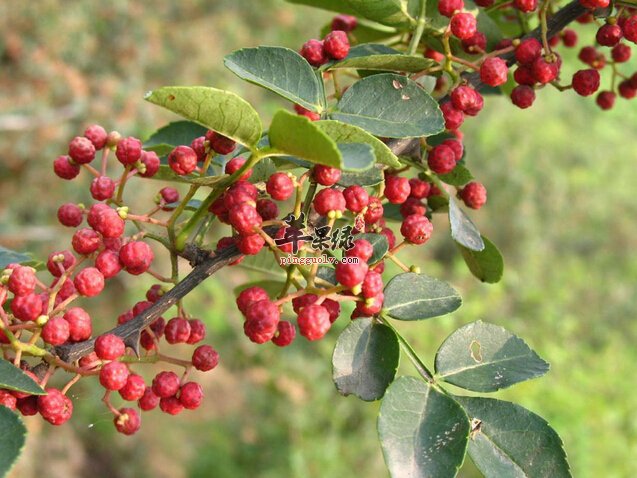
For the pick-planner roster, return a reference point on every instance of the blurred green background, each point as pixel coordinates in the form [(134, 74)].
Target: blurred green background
[(561, 179)]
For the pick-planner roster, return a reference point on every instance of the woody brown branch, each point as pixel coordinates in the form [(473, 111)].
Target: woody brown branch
[(204, 265)]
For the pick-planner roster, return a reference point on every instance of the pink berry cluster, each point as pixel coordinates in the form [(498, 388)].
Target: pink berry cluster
[(115, 240), (316, 308), (37, 314), (613, 34), (536, 62), (335, 45)]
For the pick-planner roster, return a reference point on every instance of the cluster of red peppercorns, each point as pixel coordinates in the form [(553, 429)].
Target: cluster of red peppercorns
[(240, 207), (335, 46), (318, 309), (356, 278), (587, 82), (37, 316), (536, 62)]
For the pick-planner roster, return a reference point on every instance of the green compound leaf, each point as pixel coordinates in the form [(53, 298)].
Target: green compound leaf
[(391, 106), (13, 378), (346, 133), (485, 357), (12, 438), (411, 296), (423, 432), (379, 243), (386, 12), (381, 57), (308, 141), (463, 230), (487, 264), (214, 109), (509, 441), (365, 359), (280, 70), (165, 139)]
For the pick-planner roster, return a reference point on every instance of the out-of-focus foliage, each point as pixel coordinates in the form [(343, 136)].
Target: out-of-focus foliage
[(561, 207)]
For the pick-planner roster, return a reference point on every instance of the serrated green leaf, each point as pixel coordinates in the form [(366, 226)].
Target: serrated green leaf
[(263, 170), (369, 177), (391, 106), (428, 83), (381, 57), (265, 263), (435, 21), (35, 264), (365, 32), (365, 359), (219, 110), (458, 177), (423, 432), (272, 287), (192, 205), (7, 256), (386, 12), (308, 141), (463, 230), (165, 173), (487, 264), (165, 139), (206, 180), (357, 157), (13, 378), (379, 243), (368, 49), (391, 212), (485, 357), (327, 274), (339, 6), (510, 441), (346, 133), (490, 29), (411, 296), (280, 70), (438, 203), (12, 438)]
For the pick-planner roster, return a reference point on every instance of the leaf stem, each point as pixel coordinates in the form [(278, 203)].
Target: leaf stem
[(418, 364), (309, 196), (420, 28)]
